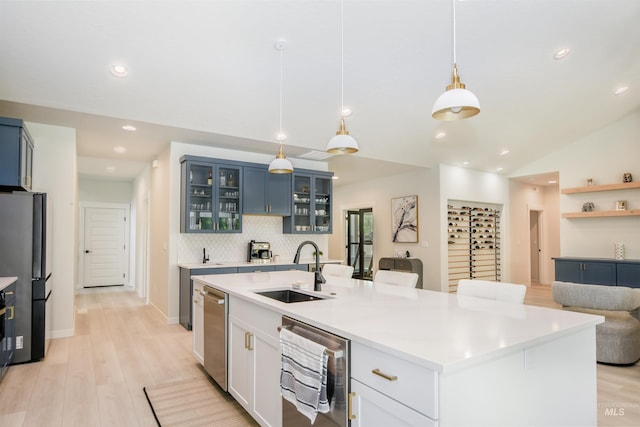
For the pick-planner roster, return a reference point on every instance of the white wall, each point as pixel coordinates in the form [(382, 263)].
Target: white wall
[(522, 199), (55, 173), (377, 194), (92, 190), (140, 202), (604, 156)]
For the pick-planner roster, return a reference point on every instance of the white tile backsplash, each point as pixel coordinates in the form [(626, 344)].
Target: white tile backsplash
[(233, 247)]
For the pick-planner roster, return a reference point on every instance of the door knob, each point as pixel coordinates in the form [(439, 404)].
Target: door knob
[(87, 251)]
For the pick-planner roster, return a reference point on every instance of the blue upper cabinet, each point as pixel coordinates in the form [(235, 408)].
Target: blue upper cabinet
[(312, 203), (16, 155), (265, 193), (211, 200)]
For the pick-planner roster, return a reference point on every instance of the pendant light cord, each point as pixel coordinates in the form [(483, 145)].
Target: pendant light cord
[(341, 57), (280, 134), (454, 31)]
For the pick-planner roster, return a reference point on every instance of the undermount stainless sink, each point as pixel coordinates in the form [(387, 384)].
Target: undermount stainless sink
[(289, 295)]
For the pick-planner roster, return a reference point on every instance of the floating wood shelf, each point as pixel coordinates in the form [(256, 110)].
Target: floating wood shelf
[(597, 214), (596, 188)]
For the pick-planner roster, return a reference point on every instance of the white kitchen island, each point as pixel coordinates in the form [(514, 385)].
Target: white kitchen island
[(459, 361)]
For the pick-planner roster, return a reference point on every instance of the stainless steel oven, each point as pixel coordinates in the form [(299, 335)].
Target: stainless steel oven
[(337, 378), (215, 334)]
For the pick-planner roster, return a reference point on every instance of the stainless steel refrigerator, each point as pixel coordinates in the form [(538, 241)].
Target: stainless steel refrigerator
[(24, 254)]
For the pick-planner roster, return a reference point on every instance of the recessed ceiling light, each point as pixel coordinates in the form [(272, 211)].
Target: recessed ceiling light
[(119, 70), (441, 134), (553, 181), (561, 53), (620, 90), (129, 128), (110, 168), (335, 177), (119, 149), (465, 163), (505, 152), (499, 169)]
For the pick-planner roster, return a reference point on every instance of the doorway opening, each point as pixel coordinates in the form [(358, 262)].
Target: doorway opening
[(360, 242), (535, 248)]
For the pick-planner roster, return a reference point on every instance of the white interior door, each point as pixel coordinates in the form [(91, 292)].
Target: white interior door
[(105, 254)]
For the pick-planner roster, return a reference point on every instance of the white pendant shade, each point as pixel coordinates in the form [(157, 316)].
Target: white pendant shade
[(456, 104), (342, 142), (280, 164)]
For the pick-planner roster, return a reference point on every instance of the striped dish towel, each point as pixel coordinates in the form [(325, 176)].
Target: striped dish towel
[(303, 377)]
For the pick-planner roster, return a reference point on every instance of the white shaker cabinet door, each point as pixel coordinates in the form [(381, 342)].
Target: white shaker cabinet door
[(240, 364), (197, 327), (373, 409)]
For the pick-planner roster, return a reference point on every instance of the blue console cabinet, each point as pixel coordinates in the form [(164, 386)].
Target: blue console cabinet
[(598, 271)]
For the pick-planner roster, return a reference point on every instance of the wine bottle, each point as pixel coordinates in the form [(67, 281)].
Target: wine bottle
[(210, 179)]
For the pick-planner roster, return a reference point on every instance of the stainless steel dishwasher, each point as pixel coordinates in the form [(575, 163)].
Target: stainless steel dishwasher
[(215, 334), (337, 378)]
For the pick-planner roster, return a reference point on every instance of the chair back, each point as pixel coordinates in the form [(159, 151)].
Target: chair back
[(499, 291), (399, 278), (338, 270)]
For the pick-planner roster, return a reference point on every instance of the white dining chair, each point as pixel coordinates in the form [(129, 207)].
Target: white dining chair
[(338, 270), (399, 278), (499, 291)]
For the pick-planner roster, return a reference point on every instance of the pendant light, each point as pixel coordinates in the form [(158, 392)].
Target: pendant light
[(281, 164), (342, 142), (456, 102)]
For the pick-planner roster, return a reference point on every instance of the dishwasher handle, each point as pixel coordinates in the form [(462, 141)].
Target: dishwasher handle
[(211, 294)]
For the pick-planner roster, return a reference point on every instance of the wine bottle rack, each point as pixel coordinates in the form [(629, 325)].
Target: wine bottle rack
[(473, 240)]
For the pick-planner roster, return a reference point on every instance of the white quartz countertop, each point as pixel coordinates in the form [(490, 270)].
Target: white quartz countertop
[(6, 281), (281, 261), (441, 331)]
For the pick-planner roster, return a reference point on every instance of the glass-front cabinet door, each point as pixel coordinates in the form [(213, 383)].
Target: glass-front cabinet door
[(311, 207), (210, 197), (197, 196), (322, 204), (228, 198)]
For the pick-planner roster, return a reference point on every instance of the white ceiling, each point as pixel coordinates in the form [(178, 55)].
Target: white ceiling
[(207, 72)]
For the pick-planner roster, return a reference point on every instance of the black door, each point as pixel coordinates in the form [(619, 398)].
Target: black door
[(360, 242)]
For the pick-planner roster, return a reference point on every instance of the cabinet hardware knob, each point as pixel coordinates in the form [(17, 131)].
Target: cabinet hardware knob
[(10, 317), (388, 377), (350, 406)]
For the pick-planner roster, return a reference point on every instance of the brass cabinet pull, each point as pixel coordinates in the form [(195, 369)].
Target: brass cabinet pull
[(12, 312), (249, 347), (350, 406), (383, 375), (246, 340), (9, 293), (3, 311)]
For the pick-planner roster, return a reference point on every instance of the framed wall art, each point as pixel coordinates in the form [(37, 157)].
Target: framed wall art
[(404, 219)]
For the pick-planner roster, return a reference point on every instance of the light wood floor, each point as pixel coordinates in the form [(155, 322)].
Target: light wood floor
[(95, 378)]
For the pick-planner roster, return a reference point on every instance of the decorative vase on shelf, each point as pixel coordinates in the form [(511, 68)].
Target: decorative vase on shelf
[(618, 250), (626, 177)]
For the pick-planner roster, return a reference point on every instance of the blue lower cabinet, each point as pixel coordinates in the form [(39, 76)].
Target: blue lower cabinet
[(596, 271), (628, 274), (287, 267), (256, 268)]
